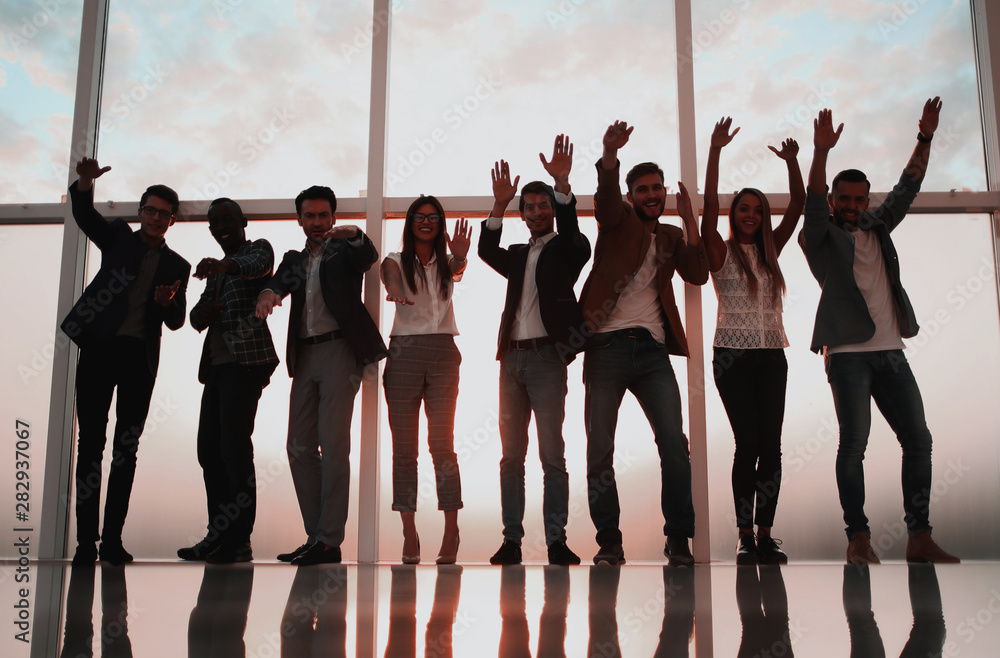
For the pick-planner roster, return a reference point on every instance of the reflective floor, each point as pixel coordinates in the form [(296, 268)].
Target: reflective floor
[(271, 609)]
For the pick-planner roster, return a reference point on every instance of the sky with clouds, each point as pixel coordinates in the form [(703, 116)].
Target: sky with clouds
[(258, 100)]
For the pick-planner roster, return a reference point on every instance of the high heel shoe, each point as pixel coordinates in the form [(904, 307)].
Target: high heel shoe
[(449, 554), (412, 559)]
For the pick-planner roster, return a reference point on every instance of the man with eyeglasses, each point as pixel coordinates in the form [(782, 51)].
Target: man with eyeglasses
[(331, 338), (117, 324), (537, 342)]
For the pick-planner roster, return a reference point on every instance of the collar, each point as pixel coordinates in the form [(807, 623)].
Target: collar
[(542, 240)]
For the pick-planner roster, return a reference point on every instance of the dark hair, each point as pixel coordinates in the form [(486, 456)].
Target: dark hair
[(225, 201), (851, 176), (537, 187), (409, 252), (316, 192), (763, 241), (163, 192), (640, 170)]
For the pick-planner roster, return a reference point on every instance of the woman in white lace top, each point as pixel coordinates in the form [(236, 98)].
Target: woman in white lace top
[(749, 359)]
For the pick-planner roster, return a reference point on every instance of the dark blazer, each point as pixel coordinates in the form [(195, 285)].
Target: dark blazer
[(559, 266), (246, 335), (103, 306), (842, 317), (341, 273)]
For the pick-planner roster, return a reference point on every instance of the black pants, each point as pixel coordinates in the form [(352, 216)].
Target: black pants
[(225, 449), (751, 384), (115, 362)]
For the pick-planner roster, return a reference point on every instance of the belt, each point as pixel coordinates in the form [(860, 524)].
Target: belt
[(631, 332), (531, 343), (336, 334)]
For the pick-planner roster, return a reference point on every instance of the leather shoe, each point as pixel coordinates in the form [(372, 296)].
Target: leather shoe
[(197, 552), (678, 552), (767, 548), (560, 554), (231, 554), (85, 556), (288, 557), (508, 553), (746, 550), (114, 554), (610, 554), (412, 559), (924, 549), (318, 553), (860, 551), (449, 554)]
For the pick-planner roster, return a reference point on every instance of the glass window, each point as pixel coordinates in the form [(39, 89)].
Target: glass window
[(474, 83), (39, 52), (773, 67), (236, 99)]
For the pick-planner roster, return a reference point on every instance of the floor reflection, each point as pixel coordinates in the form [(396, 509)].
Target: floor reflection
[(267, 610)]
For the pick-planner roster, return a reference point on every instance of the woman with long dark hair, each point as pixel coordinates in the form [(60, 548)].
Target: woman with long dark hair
[(749, 357), (423, 366)]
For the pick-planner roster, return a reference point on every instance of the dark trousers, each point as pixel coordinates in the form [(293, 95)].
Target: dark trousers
[(751, 384), (225, 448), (115, 362)]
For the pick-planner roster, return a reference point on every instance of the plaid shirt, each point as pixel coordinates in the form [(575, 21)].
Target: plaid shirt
[(246, 336)]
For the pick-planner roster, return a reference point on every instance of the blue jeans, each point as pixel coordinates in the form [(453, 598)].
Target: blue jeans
[(533, 380), (631, 360), (855, 379)]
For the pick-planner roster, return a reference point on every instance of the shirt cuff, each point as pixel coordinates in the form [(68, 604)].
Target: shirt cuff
[(494, 223), (563, 199)]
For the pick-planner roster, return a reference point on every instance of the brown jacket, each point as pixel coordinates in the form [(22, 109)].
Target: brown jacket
[(622, 242)]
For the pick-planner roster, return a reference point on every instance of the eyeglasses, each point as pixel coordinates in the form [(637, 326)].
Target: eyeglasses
[(433, 219), (150, 211)]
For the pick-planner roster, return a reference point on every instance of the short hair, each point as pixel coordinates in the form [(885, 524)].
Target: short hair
[(851, 176), (537, 187), (225, 201), (316, 192), (163, 192), (640, 170)]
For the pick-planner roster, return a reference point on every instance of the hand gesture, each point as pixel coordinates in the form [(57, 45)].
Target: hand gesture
[(503, 190), (684, 208), (789, 149), (824, 136), (458, 244), (209, 266), (721, 135), (929, 120), (562, 159), (398, 296), (266, 301), (616, 136), (91, 169), (208, 313), (345, 231), (162, 295)]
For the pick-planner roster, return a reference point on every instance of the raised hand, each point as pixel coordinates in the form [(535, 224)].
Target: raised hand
[(721, 135), (503, 190), (562, 160), (266, 301), (684, 208), (789, 149), (346, 231), (90, 168), (929, 119), (459, 241), (824, 136), (616, 136), (162, 295)]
